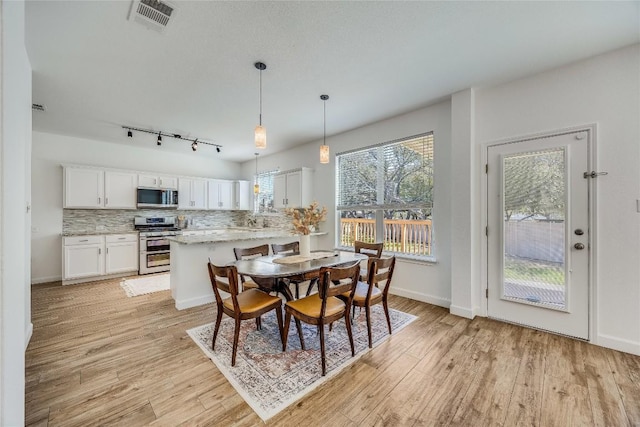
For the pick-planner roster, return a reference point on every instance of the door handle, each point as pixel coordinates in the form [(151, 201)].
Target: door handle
[(579, 246)]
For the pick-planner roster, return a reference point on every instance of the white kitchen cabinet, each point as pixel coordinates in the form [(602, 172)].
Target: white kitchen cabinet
[(88, 188), (90, 257), (242, 195), (220, 194), (192, 193), (121, 254), (158, 181), (83, 257), (292, 189)]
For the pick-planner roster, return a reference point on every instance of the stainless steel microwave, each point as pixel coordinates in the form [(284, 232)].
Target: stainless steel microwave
[(157, 198)]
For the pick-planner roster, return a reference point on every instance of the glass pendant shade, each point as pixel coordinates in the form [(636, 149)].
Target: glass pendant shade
[(324, 154), (256, 188), (261, 137)]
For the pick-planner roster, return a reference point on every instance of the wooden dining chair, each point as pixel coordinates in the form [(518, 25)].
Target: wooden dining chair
[(324, 307), (369, 294), (372, 250), (249, 304), (289, 248), (247, 253)]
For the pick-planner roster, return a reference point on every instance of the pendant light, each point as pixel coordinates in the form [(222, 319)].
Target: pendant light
[(256, 187), (260, 132), (324, 148)]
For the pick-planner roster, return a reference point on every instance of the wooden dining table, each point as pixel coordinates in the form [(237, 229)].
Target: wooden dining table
[(270, 271)]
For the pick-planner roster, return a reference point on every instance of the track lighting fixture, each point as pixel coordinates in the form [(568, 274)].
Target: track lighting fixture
[(194, 141), (260, 131)]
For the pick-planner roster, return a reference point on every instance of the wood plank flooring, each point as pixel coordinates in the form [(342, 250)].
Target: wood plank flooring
[(100, 358)]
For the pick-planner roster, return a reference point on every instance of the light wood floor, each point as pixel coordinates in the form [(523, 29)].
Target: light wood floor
[(100, 358)]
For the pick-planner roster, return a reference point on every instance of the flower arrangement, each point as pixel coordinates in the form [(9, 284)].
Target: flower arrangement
[(304, 220)]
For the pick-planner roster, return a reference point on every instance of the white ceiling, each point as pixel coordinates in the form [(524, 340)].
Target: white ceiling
[(95, 70)]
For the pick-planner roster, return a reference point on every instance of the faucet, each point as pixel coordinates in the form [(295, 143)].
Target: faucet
[(252, 222), (265, 223)]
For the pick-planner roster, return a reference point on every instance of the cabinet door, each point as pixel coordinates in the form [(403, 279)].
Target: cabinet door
[(121, 257), (294, 189), (184, 194), (213, 195), (168, 182), (242, 194), (120, 190), (149, 181), (83, 188), (83, 261), (225, 194), (199, 193), (279, 191)]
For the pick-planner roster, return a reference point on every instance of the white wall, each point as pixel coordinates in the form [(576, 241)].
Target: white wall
[(603, 90), (15, 140), (421, 281), (51, 150)]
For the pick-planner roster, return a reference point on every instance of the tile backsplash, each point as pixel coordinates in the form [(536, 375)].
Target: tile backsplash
[(121, 220)]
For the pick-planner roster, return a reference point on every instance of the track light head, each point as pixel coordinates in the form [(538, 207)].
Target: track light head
[(159, 139), (129, 133), (194, 145), (218, 149)]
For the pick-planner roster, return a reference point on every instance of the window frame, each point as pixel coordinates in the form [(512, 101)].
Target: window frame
[(256, 177)]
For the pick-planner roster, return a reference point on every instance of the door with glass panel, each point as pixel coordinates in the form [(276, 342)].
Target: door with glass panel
[(538, 235)]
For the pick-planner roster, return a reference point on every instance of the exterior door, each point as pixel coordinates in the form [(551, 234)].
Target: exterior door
[(538, 233)]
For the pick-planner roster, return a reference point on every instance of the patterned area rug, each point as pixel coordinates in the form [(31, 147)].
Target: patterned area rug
[(270, 380), (146, 284)]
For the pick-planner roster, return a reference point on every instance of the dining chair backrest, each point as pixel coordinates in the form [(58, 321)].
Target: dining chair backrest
[(369, 249), (293, 247), (380, 269), (337, 280), (224, 278), (246, 253)]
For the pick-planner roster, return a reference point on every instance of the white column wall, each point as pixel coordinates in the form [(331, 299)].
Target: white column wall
[(420, 281), (15, 140), (604, 90)]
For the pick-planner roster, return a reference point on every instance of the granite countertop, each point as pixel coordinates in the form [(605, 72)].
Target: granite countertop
[(236, 235), (98, 233)]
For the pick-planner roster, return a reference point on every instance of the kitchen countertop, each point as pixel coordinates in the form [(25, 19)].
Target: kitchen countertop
[(223, 235), (97, 233)]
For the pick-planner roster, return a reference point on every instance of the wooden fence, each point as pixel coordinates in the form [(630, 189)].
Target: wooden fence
[(400, 235)]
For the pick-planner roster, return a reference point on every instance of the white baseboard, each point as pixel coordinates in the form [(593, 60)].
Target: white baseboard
[(465, 312), (28, 335), (194, 302), (419, 296), (619, 344), (48, 279)]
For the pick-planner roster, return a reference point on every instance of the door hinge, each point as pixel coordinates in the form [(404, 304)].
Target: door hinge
[(593, 174), (486, 168), (486, 293), (486, 231)]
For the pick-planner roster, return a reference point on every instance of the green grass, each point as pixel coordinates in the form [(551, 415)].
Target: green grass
[(536, 271)]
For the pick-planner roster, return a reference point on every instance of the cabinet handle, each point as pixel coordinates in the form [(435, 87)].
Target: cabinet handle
[(84, 240), (107, 251), (99, 251), (106, 200), (155, 181), (121, 238), (160, 182), (99, 200)]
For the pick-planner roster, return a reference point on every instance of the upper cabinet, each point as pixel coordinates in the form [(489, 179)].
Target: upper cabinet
[(220, 194), (86, 188), (192, 193), (242, 195), (292, 189), (158, 181)]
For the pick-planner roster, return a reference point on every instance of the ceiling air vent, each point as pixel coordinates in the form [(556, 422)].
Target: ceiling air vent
[(154, 14), (38, 107)]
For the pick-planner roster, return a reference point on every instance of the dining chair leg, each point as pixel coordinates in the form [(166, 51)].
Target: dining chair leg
[(297, 290), (217, 328), (310, 287), (299, 327), (258, 324), (280, 327), (348, 323), (236, 335), (322, 350), (368, 313), (285, 332), (385, 304)]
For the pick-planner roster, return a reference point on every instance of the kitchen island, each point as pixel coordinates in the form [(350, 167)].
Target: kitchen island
[(190, 284)]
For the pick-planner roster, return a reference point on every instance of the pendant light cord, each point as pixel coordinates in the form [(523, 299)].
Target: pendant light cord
[(260, 100), (324, 131)]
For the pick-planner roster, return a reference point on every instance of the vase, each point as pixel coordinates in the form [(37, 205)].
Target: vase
[(305, 245)]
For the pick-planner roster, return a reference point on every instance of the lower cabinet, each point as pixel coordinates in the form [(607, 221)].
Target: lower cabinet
[(89, 257)]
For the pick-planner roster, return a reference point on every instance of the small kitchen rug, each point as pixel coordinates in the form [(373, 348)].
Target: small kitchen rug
[(270, 380), (146, 284)]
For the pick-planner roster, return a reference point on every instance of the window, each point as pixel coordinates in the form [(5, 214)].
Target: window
[(385, 194), (264, 198)]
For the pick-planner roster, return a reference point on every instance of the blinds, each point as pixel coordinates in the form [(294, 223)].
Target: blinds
[(393, 175)]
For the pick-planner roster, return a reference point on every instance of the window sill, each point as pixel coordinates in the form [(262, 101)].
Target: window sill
[(411, 259)]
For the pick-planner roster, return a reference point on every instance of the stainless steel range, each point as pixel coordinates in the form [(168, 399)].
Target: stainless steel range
[(155, 251)]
